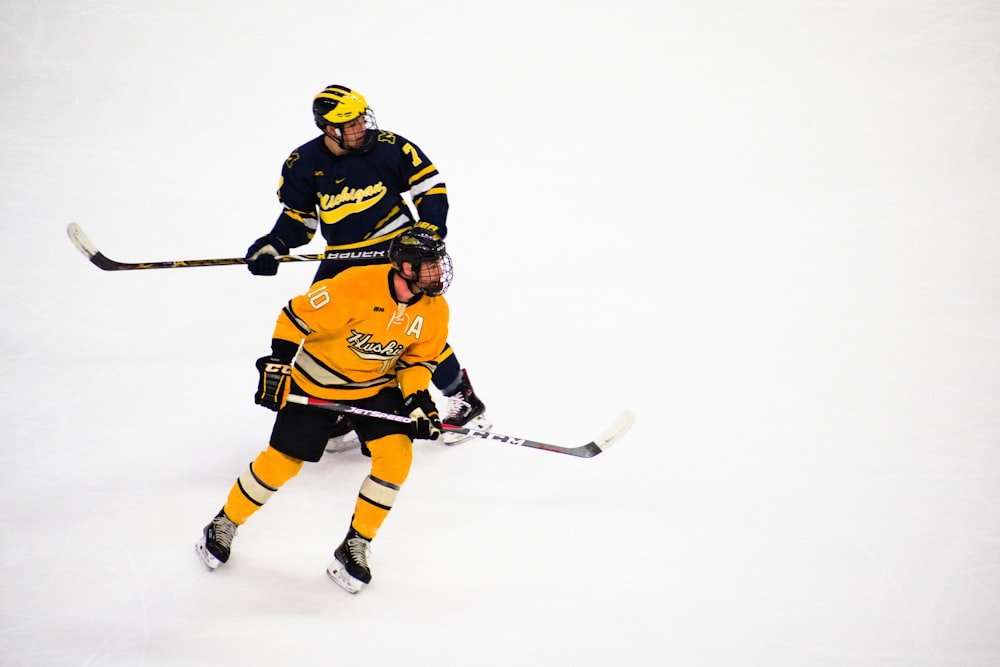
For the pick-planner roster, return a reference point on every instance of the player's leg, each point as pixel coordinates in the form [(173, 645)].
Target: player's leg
[(299, 435), (464, 407), (391, 452)]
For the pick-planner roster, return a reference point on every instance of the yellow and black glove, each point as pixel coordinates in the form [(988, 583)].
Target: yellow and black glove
[(426, 421), (275, 374)]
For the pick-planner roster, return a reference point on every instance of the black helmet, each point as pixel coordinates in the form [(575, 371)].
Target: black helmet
[(418, 245), (336, 105)]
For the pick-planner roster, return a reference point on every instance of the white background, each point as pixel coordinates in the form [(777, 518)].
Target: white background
[(769, 228)]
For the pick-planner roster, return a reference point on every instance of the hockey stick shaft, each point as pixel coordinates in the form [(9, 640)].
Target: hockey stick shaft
[(101, 261), (618, 428)]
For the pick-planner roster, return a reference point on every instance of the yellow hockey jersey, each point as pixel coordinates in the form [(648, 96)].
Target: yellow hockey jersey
[(357, 339)]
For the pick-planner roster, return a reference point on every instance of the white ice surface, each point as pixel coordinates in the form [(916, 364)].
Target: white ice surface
[(770, 228)]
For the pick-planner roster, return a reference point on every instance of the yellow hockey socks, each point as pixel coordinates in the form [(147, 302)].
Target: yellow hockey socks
[(391, 459), (258, 482)]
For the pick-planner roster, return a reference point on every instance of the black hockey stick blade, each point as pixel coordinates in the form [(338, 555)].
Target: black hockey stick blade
[(612, 434), (98, 259)]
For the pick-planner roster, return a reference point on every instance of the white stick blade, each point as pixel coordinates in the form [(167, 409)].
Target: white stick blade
[(80, 240), (618, 428)]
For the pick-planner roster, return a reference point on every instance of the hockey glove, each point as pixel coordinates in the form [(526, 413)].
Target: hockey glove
[(261, 255), (426, 421), (275, 375)]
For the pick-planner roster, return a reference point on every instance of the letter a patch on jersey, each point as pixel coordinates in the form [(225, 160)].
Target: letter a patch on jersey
[(416, 327)]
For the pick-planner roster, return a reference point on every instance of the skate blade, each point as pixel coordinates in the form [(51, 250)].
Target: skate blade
[(479, 423), (343, 443), (340, 576), (210, 561)]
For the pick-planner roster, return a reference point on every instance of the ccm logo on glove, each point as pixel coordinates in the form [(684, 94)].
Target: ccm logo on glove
[(273, 383)]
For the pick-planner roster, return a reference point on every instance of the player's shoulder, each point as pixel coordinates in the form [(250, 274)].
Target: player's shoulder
[(389, 137), (314, 145), (350, 285), (358, 275), (389, 141), (437, 305), (310, 151)]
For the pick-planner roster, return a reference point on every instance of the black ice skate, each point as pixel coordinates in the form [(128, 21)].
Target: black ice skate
[(464, 410), (216, 541), (349, 568)]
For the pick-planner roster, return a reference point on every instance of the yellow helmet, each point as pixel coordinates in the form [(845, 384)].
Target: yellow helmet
[(337, 105)]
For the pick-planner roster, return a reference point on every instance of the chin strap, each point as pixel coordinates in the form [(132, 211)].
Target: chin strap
[(337, 138), (415, 288)]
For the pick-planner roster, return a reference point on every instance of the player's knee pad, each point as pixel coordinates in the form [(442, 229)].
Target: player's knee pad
[(274, 468), (391, 458)]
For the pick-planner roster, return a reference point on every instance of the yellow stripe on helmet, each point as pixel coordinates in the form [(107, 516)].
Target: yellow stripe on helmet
[(347, 104)]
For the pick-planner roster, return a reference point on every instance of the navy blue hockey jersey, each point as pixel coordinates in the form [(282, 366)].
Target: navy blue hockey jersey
[(356, 200)]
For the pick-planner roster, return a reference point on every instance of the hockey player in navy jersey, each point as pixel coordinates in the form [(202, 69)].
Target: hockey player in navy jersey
[(348, 184)]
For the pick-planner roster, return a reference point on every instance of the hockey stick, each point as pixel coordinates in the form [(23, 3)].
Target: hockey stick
[(617, 429), (90, 251)]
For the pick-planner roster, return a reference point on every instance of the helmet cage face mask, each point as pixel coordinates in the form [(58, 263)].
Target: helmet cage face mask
[(439, 279), (419, 247), (371, 132)]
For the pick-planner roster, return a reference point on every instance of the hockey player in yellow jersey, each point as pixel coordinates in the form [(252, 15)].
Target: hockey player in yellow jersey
[(369, 337)]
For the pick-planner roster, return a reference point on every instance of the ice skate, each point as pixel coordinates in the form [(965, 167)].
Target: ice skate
[(216, 541), (464, 410), (349, 568), (343, 438)]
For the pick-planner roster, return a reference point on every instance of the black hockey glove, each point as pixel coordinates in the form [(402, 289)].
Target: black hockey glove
[(261, 255), (275, 375), (426, 421)]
